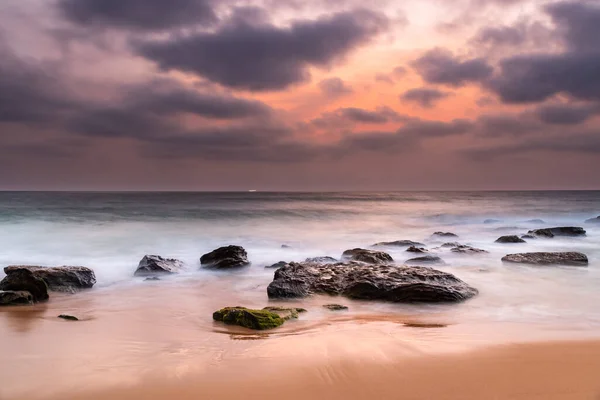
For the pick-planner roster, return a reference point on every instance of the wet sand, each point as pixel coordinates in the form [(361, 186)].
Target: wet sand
[(554, 370)]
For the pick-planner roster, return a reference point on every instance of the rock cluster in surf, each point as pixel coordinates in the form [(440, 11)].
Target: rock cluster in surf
[(548, 258)]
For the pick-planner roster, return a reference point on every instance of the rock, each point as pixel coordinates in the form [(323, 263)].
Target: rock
[(24, 280), (68, 317), (367, 256), (398, 243), (225, 257), (285, 246), (59, 279), (425, 260), (451, 244), (535, 221), (491, 221), (252, 319), (559, 231), (335, 307), (285, 312), (13, 298), (277, 265), (527, 236), (464, 249), (414, 249), (593, 220), (370, 282), (156, 265), (506, 228), (325, 259), (510, 239), (152, 278), (445, 234), (547, 258)]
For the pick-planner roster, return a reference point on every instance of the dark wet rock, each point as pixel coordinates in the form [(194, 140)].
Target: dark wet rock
[(24, 280), (558, 231), (335, 307), (59, 279), (268, 318), (14, 298), (492, 221), (325, 259), (510, 239), (464, 249), (451, 244), (445, 234), (425, 260), (415, 249), (593, 220), (367, 256), (277, 265), (547, 258), (398, 243), (225, 257), (152, 278), (370, 282), (535, 221), (156, 265), (68, 317), (286, 246), (528, 236)]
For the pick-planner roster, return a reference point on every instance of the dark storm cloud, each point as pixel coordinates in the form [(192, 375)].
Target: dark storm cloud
[(138, 14), (265, 57), (501, 35), (334, 87), (442, 67), (351, 115), (565, 114), (511, 125), (579, 22), (425, 97)]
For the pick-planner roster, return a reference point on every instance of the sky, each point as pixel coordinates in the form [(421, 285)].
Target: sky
[(308, 95)]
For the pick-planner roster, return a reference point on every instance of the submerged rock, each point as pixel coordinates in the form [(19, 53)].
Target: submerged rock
[(226, 257), (398, 243), (558, 231), (451, 244), (535, 221), (23, 280), (593, 220), (277, 265), (286, 246), (445, 234), (371, 282), (285, 312), (510, 239), (425, 260), (491, 221), (335, 307), (59, 279), (14, 298), (255, 319), (324, 259), (68, 317), (528, 236), (464, 249), (152, 278), (156, 265), (367, 256), (414, 249), (548, 258)]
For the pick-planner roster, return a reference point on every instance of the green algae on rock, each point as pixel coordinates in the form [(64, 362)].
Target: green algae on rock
[(267, 318)]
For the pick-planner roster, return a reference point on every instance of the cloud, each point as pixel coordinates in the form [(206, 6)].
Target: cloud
[(440, 66), (343, 117), (511, 125), (501, 35), (138, 14), (265, 57), (578, 22), (385, 78), (425, 97), (334, 87), (566, 114)]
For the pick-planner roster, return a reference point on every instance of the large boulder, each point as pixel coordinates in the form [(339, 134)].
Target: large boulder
[(593, 220), (267, 318), (415, 249), (226, 257), (464, 249), (13, 298), (548, 258), (371, 282), (367, 256), (156, 265), (398, 243), (59, 279), (509, 239), (23, 280), (558, 231), (425, 260)]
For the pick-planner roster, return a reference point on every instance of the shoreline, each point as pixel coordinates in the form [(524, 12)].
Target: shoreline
[(544, 370)]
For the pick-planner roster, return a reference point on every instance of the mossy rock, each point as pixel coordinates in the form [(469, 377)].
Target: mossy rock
[(285, 312), (252, 319)]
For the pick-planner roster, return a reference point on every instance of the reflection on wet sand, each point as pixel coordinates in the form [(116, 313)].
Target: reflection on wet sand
[(24, 319)]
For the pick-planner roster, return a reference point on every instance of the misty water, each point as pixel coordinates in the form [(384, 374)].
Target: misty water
[(111, 232)]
